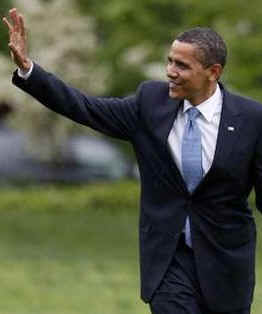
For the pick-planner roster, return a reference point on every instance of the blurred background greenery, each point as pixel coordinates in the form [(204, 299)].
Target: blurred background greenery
[(74, 249), (108, 47)]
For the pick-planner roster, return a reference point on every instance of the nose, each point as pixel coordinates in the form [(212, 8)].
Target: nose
[(171, 70)]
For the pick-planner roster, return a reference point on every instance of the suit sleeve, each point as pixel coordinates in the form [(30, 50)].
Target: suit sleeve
[(116, 117)]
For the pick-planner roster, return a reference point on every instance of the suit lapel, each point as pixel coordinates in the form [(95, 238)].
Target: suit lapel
[(165, 118), (228, 133)]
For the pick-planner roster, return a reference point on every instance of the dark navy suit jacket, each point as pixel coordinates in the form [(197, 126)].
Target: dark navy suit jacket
[(222, 225)]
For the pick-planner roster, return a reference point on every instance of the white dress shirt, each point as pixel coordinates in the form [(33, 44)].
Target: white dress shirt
[(208, 123), (25, 75)]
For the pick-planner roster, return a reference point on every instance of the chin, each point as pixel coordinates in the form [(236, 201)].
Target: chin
[(175, 95)]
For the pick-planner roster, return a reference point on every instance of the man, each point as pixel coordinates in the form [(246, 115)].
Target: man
[(199, 150)]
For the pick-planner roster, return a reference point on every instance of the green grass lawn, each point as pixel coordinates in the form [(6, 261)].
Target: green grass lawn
[(73, 250), (59, 256)]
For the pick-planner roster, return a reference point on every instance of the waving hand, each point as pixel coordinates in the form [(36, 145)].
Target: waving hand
[(18, 40)]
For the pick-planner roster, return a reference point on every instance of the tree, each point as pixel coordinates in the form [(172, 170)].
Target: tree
[(134, 37), (68, 51), (108, 47), (5, 6)]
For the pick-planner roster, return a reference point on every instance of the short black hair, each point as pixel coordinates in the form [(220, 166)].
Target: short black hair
[(211, 46)]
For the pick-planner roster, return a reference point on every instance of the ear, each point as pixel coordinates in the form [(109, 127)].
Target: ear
[(215, 71)]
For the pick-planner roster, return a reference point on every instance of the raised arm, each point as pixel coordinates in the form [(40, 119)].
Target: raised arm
[(117, 117)]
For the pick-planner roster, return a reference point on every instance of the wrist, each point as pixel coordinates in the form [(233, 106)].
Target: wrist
[(26, 66), (25, 74)]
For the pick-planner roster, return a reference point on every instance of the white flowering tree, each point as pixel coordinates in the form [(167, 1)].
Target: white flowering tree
[(62, 41), (72, 44)]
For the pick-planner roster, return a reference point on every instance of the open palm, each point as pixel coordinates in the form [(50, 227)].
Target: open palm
[(17, 40)]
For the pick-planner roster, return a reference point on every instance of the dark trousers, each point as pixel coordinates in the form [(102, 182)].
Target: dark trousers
[(179, 292)]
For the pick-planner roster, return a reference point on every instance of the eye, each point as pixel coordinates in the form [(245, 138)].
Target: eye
[(181, 65), (169, 60)]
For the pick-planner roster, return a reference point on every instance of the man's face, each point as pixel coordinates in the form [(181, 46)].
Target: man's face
[(188, 78)]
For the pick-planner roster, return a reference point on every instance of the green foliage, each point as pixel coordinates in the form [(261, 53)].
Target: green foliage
[(5, 6), (108, 47), (100, 196), (123, 25)]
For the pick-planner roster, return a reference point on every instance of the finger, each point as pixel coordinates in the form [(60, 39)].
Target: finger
[(12, 48), (14, 17), (8, 24), (22, 25)]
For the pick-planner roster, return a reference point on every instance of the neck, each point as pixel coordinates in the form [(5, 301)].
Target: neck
[(198, 99)]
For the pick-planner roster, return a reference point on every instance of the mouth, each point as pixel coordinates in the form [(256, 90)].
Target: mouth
[(173, 84)]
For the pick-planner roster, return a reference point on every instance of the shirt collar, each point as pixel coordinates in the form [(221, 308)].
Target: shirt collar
[(209, 107)]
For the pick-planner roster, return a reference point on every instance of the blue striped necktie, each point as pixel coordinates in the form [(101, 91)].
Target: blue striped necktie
[(191, 159)]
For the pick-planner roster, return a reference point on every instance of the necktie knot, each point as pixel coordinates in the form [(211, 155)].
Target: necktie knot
[(193, 113)]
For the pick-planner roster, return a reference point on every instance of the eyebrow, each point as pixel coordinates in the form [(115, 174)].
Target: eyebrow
[(169, 58)]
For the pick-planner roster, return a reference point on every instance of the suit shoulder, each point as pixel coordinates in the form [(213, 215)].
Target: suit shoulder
[(154, 85), (250, 109), (152, 91), (247, 104)]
